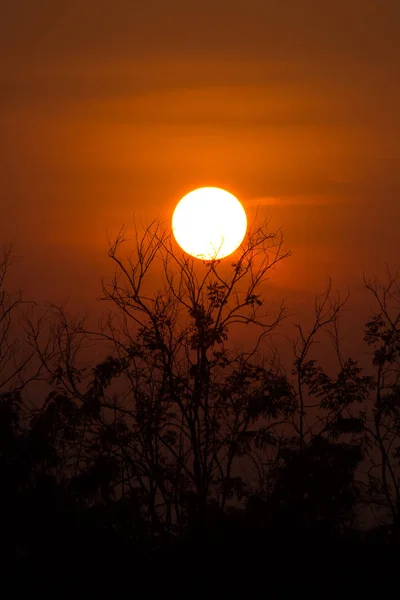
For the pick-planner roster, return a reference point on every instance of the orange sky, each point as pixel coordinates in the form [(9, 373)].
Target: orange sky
[(113, 107)]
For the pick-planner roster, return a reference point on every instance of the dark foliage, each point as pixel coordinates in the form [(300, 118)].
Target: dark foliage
[(178, 465)]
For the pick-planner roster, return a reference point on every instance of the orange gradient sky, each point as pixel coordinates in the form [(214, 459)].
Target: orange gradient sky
[(110, 108)]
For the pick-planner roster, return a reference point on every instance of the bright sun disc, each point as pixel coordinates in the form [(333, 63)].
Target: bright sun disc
[(209, 223)]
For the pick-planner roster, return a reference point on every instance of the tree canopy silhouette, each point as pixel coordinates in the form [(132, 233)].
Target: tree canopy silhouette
[(179, 443)]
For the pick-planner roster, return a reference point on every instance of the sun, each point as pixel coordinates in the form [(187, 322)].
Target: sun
[(209, 223)]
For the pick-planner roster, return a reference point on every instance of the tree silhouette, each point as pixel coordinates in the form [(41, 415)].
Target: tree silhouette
[(180, 447), (187, 407), (382, 334), (15, 355)]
